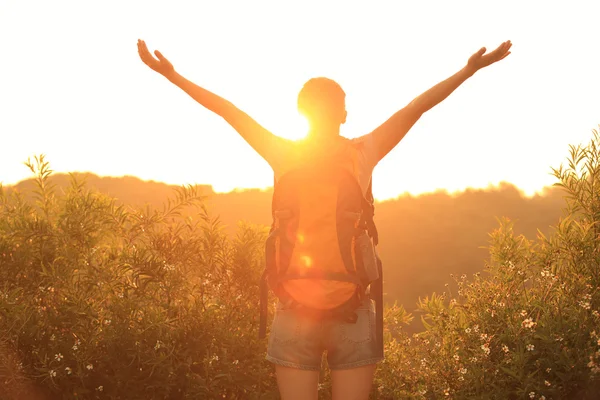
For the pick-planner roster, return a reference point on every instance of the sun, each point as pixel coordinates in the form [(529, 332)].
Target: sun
[(294, 128)]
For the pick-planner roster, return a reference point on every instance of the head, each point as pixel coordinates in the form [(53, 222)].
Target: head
[(323, 103)]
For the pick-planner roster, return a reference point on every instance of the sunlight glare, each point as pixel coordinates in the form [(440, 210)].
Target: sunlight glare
[(306, 261), (296, 129)]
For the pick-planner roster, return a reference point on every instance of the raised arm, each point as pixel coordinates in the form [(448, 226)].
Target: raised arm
[(389, 134), (264, 142)]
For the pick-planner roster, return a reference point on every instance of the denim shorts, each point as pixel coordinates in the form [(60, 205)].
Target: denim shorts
[(298, 341)]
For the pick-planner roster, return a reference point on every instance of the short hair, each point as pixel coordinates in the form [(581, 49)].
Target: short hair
[(320, 96)]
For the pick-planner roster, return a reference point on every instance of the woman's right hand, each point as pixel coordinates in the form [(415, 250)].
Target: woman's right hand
[(162, 65)]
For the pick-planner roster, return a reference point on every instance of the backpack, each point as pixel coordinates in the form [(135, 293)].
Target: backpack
[(320, 253)]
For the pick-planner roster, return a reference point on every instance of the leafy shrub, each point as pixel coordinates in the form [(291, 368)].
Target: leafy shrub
[(529, 327), (100, 301)]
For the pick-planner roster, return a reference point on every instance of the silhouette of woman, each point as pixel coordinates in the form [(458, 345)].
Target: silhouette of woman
[(322, 102)]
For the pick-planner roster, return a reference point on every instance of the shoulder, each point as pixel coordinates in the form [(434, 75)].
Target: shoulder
[(366, 145), (284, 154)]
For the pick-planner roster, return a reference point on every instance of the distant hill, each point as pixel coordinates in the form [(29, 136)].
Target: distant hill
[(423, 239)]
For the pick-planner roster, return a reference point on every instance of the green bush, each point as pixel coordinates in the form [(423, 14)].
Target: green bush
[(529, 327), (106, 301), (100, 301)]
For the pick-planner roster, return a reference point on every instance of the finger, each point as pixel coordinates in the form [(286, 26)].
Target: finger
[(140, 48), (159, 55), (504, 56), (499, 49), (146, 56), (146, 52), (144, 47), (481, 51)]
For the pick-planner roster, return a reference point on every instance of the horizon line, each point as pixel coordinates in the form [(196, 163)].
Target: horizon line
[(490, 187)]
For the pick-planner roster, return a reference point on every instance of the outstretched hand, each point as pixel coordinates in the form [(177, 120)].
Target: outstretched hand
[(480, 59), (159, 64)]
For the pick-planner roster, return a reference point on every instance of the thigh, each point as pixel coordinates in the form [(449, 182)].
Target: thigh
[(352, 384), (297, 384)]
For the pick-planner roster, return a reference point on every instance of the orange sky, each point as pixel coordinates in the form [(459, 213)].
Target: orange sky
[(72, 86)]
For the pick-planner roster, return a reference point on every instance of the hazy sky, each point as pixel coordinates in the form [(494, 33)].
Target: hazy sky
[(72, 86)]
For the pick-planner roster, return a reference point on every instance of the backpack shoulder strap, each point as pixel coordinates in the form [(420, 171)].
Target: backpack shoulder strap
[(369, 208)]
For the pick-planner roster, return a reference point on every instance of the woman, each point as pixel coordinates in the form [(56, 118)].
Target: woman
[(322, 102)]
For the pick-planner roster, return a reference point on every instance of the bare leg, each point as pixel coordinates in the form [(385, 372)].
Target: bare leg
[(297, 384), (352, 384)]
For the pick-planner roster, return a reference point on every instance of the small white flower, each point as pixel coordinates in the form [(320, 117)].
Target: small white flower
[(75, 347), (531, 395), (585, 304), (547, 383), (468, 330), (463, 371), (523, 314), (68, 370), (53, 337), (58, 357), (52, 373), (236, 362), (107, 322), (486, 349), (505, 348), (530, 347), (528, 323), (456, 357), (548, 370), (100, 388), (89, 367)]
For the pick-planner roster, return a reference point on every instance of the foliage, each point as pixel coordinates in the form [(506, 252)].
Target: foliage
[(529, 327), (102, 301)]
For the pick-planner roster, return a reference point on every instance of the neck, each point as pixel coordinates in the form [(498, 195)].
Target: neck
[(324, 132)]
